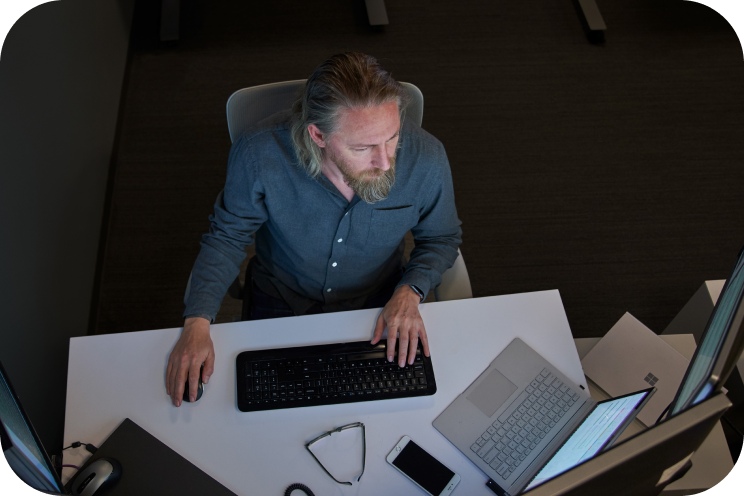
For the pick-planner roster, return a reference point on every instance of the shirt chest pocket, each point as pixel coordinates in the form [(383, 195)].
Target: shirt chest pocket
[(388, 226)]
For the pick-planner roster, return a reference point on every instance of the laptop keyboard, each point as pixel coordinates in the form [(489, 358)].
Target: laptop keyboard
[(327, 374), (520, 428)]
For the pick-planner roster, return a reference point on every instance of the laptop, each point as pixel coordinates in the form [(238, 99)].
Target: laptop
[(522, 420), (147, 465)]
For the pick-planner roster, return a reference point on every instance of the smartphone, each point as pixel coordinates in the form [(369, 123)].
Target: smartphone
[(426, 471)]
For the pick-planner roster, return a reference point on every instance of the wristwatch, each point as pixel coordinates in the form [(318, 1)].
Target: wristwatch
[(418, 292)]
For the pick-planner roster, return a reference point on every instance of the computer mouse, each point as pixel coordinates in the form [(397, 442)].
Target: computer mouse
[(199, 390), (96, 477)]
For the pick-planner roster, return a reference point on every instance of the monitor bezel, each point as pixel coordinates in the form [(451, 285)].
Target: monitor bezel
[(7, 444), (727, 353)]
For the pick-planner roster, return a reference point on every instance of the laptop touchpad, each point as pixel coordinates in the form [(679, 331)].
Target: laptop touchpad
[(491, 393)]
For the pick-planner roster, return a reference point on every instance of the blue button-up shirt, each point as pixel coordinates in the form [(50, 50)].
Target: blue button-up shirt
[(312, 245)]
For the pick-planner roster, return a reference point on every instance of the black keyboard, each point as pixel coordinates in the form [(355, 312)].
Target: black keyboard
[(328, 374)]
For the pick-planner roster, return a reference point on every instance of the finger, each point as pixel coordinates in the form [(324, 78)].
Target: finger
[(412, 345), (425, 342), (172, 382), (208, 368), (391, 339), (379, 328), (167, 378), (193, 381), (403, 341), (177, 392), (179, 384)]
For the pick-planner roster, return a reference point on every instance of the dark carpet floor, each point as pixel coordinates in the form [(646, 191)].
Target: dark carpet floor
[(611, 172)]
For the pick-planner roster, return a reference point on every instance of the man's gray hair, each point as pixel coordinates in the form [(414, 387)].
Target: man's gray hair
[(344, 81)]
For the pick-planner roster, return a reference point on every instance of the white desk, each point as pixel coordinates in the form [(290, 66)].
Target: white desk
[(115, 376)]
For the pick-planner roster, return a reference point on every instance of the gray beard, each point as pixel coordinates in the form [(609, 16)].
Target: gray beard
[(372, 190), (369, 188)]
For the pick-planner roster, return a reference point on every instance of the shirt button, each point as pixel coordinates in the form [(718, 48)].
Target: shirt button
[(328, 290), (334, 264), (339, 240)]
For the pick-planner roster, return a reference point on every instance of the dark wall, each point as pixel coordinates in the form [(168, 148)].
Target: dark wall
[(61, 74)]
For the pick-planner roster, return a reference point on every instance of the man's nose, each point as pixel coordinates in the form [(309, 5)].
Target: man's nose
[(380, 159)]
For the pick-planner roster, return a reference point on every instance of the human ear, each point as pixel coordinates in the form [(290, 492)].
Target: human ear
[(316, 135)]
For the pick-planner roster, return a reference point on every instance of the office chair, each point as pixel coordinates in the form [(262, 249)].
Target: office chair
[(248, 106)]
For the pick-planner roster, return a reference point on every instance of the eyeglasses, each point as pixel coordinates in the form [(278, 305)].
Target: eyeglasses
[(330, 433)]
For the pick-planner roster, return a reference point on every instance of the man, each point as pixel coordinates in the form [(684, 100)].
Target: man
[(329, 191)]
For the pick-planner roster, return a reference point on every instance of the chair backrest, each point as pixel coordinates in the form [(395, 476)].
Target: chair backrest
[(455, 283), (249, 106)]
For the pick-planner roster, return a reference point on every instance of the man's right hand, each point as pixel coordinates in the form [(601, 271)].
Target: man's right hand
[(193, 349)]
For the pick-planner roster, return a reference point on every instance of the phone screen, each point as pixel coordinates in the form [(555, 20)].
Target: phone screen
[(423, 468)]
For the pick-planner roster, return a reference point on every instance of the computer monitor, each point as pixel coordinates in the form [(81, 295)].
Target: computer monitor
[(21, 446), (720, 346), (646, 463)]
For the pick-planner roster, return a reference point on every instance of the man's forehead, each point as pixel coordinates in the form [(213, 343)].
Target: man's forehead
[(375, 123)]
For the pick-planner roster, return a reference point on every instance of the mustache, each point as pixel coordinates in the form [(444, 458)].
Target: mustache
[(374, 189), (371, 185)]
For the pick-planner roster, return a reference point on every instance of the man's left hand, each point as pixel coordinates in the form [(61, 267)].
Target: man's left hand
[(404, 324)]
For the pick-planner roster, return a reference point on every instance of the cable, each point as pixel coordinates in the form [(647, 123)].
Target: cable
[(77, 444), (298, 487)]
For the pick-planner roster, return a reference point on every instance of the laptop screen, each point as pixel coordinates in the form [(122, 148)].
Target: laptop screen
[(700, 379), (597, 431)]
